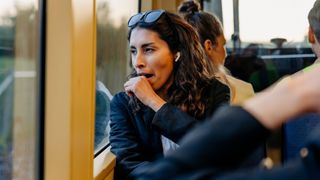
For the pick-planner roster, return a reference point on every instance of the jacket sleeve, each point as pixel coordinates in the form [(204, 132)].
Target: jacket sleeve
[(173, 123), (125, 143), (211, 148)]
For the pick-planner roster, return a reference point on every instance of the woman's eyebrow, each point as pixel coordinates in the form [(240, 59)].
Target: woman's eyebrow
[(143, 45), (147, 44)]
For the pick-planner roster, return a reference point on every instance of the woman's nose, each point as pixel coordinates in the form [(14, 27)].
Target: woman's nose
[(139, 61)]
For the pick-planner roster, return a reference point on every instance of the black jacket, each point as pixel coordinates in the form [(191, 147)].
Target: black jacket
[(136, 137), (211, 151)]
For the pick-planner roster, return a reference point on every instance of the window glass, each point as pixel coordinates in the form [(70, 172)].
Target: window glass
[(18, 62), (271, 42), (262, 20), (113, 63)]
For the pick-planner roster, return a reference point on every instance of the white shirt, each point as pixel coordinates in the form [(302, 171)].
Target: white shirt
[(168, 145)]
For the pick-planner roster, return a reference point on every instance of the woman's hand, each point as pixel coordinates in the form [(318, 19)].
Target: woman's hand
[(141, 88)]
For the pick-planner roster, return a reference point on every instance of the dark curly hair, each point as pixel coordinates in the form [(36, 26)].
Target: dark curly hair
[(192, 73)]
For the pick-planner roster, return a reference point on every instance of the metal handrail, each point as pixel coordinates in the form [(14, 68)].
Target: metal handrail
[(286, 56)]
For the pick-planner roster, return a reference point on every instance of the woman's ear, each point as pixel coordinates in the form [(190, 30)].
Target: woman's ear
[(311, 36), (207, 45)]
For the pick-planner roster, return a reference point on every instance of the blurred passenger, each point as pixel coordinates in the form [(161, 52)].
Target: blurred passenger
[(248, 66), (297, 131), (172, 88), (212, 39), (212, 152), (314, 29)]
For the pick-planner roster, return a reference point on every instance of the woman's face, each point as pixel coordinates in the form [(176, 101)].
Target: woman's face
[(219, 51), (151, 57)]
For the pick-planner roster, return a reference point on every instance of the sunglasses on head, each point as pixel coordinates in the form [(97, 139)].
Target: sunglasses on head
[(147, 17)]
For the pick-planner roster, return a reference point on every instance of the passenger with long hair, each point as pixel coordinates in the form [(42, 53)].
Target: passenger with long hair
[(210, 31), (173, 86)]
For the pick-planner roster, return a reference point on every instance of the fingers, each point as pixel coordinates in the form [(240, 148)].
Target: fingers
[(128, 87), (141, 88), (137, 85)]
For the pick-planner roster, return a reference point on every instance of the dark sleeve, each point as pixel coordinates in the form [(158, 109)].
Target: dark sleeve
[(305, 167), (125, 143), (297, 169), (219, 96), (222, 142), (173, 123)]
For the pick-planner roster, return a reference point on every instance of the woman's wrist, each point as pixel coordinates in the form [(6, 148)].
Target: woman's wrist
[(156, 103)]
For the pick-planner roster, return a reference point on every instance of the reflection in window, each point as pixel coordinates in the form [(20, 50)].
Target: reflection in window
[(18, 61), (113, 64)]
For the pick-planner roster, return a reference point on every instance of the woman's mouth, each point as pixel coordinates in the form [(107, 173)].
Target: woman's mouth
[(146, 75)]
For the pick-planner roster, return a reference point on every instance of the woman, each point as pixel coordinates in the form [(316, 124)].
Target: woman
[(172, 87), (213, 41)]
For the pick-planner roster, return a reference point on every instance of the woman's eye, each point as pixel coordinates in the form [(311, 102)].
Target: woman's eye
[(149, 50), (133, 51)]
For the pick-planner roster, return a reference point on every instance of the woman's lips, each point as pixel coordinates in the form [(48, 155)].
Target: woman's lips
[(145, 75)]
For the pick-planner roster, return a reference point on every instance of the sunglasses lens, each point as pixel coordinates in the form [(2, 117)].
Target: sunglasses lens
[(146, 17), (134, 19), (153, 16)]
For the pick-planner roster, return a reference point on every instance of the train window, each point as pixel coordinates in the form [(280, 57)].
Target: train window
[(112, 60), (266, 39), (19, 49)]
